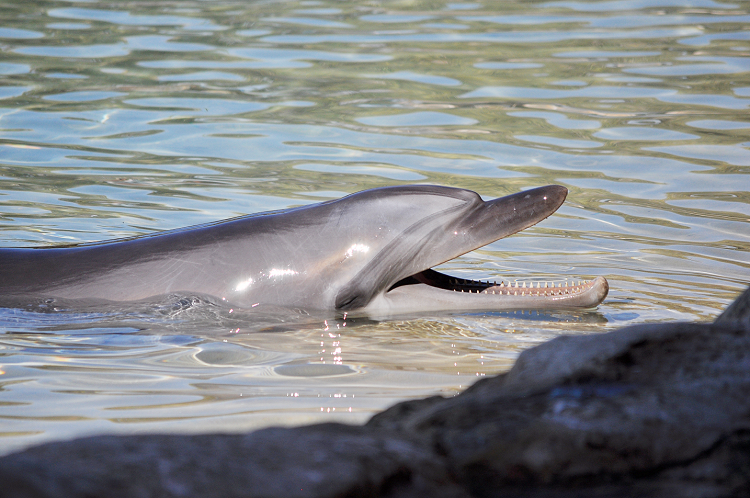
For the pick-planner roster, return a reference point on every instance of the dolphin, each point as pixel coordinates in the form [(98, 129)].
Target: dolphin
[(371, 251)]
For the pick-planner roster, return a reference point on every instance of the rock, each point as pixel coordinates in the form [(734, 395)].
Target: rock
[(738, 311), (652, 410), (319, 460), (636, 407)]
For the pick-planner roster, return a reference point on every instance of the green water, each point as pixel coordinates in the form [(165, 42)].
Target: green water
[(126, 118)]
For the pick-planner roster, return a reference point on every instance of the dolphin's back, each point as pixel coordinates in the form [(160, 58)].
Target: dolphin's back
[(127, 269)]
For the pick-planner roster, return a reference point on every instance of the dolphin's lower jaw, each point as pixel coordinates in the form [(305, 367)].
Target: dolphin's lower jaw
[(435, 291)]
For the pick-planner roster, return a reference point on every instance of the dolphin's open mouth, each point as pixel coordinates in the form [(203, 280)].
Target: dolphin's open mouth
[(580, 293)]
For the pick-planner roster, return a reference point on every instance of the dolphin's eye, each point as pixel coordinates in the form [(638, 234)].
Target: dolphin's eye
[(348, 302)]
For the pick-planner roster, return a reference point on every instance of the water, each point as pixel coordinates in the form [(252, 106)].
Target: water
[(126, 118)]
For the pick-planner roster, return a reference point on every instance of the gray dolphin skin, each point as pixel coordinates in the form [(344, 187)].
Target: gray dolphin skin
[(371, 251)]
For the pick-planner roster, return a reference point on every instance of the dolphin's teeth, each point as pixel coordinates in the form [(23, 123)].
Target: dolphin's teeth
[(524, 284)]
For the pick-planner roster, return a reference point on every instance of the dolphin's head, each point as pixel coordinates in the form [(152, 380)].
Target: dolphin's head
[(391, 265)]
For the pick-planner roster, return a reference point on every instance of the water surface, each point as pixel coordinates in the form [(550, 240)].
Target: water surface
[(119, 119)]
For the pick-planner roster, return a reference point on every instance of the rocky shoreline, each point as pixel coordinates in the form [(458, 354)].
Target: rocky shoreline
[(650, 410)]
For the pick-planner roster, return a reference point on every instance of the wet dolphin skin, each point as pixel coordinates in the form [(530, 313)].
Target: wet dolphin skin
[(372, 251)]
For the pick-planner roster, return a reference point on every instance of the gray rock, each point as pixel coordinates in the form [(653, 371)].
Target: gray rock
[(320, 460), (636, 405), (653, 410)]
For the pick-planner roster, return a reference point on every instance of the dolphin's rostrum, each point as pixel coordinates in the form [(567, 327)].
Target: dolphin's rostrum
[(370, 251)]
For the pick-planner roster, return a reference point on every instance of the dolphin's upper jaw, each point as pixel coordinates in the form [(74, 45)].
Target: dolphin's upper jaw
[(503, 295)]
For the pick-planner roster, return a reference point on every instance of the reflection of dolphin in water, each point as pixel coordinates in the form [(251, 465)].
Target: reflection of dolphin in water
[(372, 250)]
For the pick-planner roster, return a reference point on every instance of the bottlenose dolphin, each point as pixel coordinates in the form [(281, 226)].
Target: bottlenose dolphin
[(371, 251)]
